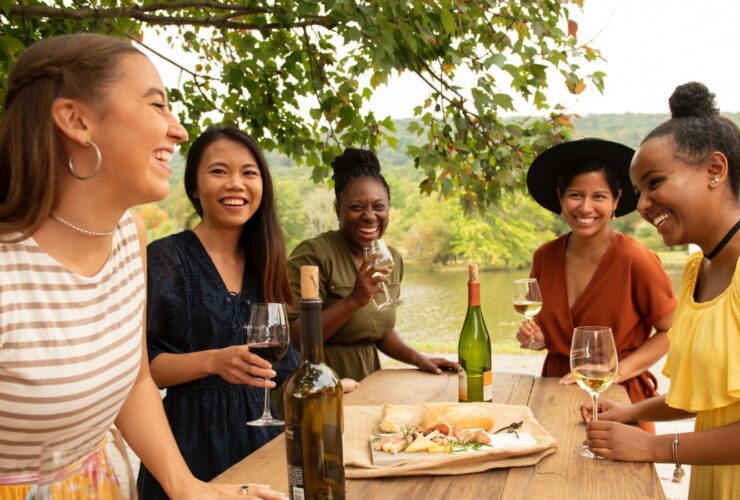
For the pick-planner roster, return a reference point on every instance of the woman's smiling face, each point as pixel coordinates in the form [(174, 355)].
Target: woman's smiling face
[(229, 183), (670, 191), (588, 203), (362, 209)]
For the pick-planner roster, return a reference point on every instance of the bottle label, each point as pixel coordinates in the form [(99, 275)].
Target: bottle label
[(294, 452), (488, 386), (462, 385)]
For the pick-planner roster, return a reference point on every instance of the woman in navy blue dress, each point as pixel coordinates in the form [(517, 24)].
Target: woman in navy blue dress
[(200, 287)]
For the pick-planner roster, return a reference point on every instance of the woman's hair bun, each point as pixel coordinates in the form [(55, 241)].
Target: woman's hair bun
[(692, 99), (353, 159)]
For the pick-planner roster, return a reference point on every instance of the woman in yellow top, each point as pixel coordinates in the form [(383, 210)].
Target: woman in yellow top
[(687, 172)]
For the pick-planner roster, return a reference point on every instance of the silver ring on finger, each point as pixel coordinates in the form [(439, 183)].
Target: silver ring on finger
[(244, 490)]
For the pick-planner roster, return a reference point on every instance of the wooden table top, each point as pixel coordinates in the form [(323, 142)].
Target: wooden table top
[(563, 474)]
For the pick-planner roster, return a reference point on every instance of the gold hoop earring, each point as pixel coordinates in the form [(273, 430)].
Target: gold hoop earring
[(98, 162)]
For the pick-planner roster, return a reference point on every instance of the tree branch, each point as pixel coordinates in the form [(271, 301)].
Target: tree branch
[(138, 14), (203, 4), (466, 114), (169, 60), (196, 76)]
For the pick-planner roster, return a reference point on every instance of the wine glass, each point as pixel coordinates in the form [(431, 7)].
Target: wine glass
[(267, 337), (84, 464), (593, 362), (527, 300), (382, 300)]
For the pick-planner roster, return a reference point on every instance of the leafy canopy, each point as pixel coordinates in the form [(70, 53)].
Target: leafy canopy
[(298, 75)]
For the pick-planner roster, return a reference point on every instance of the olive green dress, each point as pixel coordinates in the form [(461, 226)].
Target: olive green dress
[(351, 351)]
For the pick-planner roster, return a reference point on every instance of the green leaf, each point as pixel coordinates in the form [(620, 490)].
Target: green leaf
[(504, 101), (448, 21), (378, 78), (5, 6)]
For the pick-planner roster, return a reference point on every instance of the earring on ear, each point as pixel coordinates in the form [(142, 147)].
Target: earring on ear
[(98, 162), (714, 180)]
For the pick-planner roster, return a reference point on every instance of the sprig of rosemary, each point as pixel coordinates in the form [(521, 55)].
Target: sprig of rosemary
[(511, 428), (475, 445)]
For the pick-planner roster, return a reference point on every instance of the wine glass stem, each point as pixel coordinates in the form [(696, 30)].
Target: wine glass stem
[(387, 294), (266, 414), (595, 410)]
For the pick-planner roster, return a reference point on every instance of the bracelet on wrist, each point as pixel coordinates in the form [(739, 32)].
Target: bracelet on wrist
[(678, 472)]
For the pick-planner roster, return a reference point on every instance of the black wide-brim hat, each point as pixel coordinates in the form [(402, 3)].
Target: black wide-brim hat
[(542, 175)]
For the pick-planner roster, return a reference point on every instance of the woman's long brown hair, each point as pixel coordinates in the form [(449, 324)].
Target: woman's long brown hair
[(81, 67)]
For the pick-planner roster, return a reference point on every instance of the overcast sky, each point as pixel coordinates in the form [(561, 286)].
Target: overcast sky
[(649, 47)]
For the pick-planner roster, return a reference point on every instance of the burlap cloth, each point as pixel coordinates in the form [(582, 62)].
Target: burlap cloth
[(360, 422)]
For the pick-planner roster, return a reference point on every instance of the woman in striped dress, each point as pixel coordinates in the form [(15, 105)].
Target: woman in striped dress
[(86, 135)]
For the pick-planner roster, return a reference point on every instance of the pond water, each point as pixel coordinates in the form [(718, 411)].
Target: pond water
[(435, 303)]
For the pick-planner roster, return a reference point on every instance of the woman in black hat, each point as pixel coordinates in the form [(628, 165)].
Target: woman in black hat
[(595, 275)]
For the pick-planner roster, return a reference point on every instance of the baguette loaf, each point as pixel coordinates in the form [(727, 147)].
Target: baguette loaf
[(461, 416), (399, 418)]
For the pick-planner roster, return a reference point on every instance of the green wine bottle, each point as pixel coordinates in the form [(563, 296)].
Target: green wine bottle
[(313, 409), (474, 349)]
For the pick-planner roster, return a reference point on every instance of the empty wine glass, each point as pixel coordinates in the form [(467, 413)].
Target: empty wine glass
[(267, 337), (84, 464), (527, 300), (593, 362), (382, 300)]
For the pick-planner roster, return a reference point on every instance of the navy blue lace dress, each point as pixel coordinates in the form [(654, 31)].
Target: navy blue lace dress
[(189, 309)]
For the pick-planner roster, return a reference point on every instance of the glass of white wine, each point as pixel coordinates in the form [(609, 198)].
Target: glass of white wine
[(527, 300), (384, 258), (593, 362)]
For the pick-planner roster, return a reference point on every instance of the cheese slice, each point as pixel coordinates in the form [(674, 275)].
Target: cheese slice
[(422, 443)]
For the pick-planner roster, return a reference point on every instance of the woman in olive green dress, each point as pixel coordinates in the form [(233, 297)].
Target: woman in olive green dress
[(354, 329)]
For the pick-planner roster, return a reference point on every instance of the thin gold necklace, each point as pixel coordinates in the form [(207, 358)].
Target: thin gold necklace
[(81, 230)]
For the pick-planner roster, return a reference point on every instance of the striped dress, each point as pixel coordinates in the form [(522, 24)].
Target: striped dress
[(70, 350)]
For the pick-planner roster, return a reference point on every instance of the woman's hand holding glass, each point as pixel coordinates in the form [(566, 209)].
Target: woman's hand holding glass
[(618, 441), (237, 365), (593, 362), (530, 336), (382, 264), (267, 336), (609, 410), (367, 282), (527, 300)]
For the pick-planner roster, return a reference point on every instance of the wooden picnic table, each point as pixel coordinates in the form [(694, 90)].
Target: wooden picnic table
[(562, 475)]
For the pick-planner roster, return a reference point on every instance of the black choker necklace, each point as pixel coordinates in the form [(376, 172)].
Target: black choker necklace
[(726, 239)]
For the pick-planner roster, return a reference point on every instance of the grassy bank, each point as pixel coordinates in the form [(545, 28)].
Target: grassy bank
[(671, 259)]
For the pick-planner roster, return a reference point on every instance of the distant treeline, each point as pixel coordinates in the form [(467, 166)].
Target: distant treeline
[(428, 230)]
